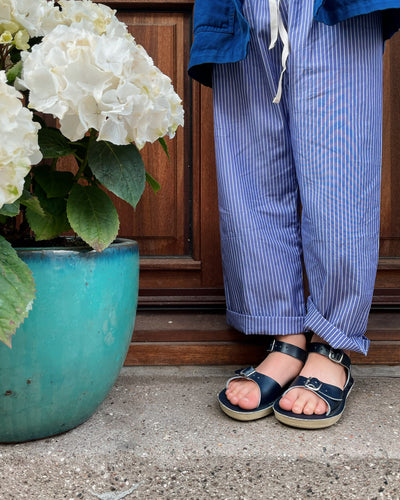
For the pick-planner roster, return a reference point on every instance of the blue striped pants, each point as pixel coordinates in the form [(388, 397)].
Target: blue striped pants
[(299, 181)]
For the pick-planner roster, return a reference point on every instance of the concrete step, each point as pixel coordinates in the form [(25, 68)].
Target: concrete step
[(161, 435)]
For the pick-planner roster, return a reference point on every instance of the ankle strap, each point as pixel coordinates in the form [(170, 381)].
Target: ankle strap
[(285, 348), (335, 355)]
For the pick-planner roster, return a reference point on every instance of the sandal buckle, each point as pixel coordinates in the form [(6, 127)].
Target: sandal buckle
[(335, 355), (271, 346), (246, 372), (313, 384)]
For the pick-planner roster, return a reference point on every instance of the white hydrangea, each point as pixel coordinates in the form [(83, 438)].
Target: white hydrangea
[(37, 17), (103, 82), (92, 17), (19, 142)]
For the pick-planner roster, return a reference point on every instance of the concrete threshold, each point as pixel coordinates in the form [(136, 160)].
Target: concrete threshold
[(161, 435)]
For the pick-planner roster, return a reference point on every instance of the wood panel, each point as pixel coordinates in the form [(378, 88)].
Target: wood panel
[(387, 286), (160, 223), (148, 5), (177, 229), (189, 338), (390, 200), (237, 354)]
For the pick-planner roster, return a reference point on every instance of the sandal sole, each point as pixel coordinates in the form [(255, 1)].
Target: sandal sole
[(302, 423), (299, 423), (246, 416)]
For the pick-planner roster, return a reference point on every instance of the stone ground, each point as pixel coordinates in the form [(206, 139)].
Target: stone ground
[(160, 435)]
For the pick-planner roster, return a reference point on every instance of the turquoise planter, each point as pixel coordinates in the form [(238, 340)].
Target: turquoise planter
[(68, 353)]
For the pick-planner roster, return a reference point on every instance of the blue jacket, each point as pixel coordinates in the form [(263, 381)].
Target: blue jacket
[(221, 33)]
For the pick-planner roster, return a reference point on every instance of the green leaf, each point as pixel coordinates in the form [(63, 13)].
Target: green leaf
[(153, 183), (51, 220), (161, 140), (56, 184), (119, 168), (17, 291), (15, 55), (35, 40), (53, 144), (81, 146), (47, 226), (13, 72), (92, 216), (31, 202), (10, 209), (54, 206)]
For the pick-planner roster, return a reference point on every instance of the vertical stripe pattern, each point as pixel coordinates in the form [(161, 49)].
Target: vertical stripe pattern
[(301, 179)]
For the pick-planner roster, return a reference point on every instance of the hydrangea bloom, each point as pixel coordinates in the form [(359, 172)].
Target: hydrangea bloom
[(6, 37), (75, 75), (37, 17), (19, 143), (92, 17)]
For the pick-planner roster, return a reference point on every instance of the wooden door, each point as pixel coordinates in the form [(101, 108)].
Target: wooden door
[(181, 318), (177, 228)]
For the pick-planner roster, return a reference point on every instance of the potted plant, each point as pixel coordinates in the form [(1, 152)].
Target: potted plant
[(75, 62)]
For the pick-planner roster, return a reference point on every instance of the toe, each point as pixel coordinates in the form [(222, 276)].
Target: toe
[(245, 394), (234, 389), (314, 405), (308, 408), (301, 402), (247, 401), (233, 386), (234, 394), (247, 404), (321, 407), (287, 401)]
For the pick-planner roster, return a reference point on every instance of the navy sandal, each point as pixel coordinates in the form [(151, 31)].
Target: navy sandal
[(270, 390), (333, 396)]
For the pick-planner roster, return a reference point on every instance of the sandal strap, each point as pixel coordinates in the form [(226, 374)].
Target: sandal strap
[(269, 388), (285, 348), (332, 395), (335, 355)]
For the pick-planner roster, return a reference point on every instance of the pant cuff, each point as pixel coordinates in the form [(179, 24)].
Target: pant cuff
[(335, 337), (261, 325)]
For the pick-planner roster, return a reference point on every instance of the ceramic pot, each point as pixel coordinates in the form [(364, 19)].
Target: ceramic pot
[(68, 353)]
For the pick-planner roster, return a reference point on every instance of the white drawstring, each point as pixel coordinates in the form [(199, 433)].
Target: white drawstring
[(278, 29)]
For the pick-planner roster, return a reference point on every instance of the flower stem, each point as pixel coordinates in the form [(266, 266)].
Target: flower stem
[(84, 161), (4, 51)]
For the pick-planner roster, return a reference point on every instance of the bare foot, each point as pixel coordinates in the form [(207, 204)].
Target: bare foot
[(307, 402), (279, 366)]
